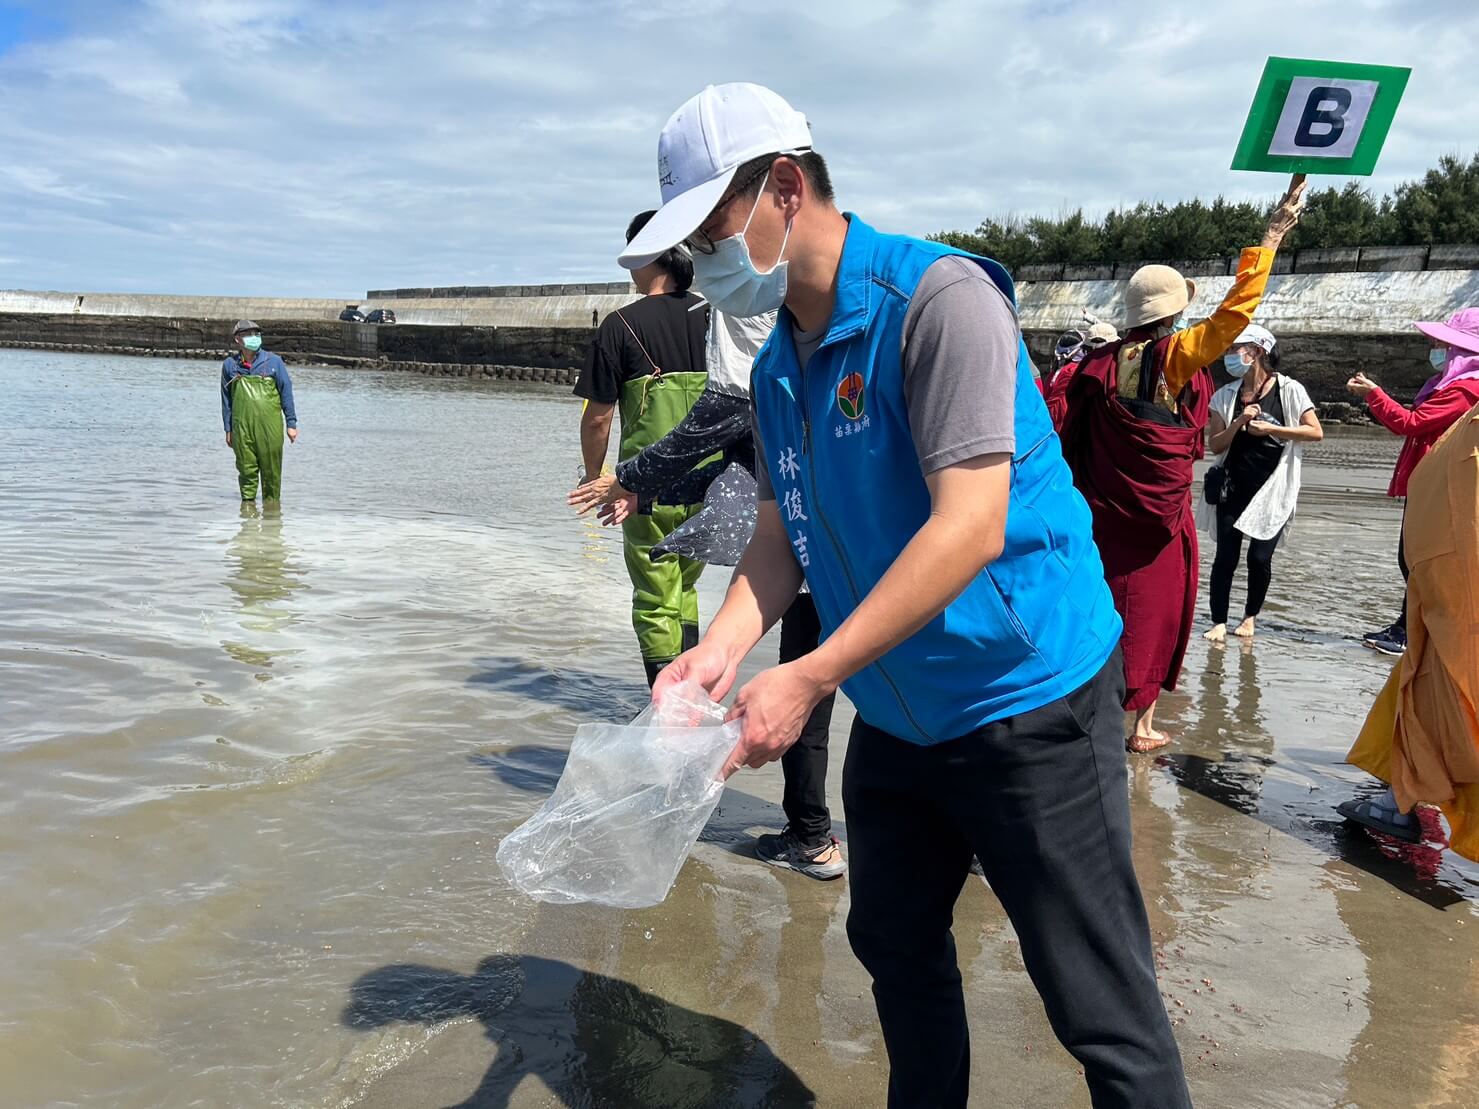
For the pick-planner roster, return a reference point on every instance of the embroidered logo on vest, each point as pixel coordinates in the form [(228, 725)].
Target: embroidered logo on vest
[(850, 396)]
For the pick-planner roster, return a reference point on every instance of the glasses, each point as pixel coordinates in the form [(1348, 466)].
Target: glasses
[(701, 242)]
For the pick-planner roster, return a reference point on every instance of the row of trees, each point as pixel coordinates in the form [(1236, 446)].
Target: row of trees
[(1442, 207)]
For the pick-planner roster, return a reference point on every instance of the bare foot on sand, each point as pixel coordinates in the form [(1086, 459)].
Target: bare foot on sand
[(1145, 744), (1245, 629), (1216, 634)]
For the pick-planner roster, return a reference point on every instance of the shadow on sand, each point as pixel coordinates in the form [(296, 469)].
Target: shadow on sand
[(593, 1040)]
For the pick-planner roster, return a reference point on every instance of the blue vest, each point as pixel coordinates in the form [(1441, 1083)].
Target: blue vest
[(1035, 624)]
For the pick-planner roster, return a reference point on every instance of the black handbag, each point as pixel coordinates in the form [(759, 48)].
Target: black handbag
[(1214, 488)]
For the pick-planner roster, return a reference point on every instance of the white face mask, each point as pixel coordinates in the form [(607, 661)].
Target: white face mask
[(729, 280)]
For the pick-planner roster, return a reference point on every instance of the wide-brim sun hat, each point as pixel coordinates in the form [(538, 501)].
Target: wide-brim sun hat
[(1156, 292), (701, 147), (1461, 330)]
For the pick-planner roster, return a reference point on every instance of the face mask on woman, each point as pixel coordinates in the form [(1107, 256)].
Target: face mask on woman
[(1235, 365), (1438, 356)]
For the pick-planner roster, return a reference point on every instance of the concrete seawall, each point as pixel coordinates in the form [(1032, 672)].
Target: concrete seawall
[(476, 371), (1330, 324), (536, 348)]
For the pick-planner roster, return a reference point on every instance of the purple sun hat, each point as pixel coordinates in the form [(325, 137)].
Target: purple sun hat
[(1461, 330)]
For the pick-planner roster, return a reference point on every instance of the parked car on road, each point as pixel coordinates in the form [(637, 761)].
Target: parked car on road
[(352, 314), (381, 315)]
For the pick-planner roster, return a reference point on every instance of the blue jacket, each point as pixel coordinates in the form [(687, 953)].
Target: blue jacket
[(1035, 624), (266, 364)]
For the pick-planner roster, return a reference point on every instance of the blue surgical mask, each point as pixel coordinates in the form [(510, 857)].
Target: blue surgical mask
[(1438, 356), (729, 280), (1180, 324), (1234, 364), (252, 343)]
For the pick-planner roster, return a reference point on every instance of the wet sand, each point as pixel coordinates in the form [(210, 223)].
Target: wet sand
[(257, 765)]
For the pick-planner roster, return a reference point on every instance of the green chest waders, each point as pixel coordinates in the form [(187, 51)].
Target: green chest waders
[(256, 435), (664, 600)]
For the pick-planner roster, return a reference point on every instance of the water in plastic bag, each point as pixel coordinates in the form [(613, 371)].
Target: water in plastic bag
[(628, 807)]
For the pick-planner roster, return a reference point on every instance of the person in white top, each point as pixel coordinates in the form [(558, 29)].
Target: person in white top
[(1257, 428)]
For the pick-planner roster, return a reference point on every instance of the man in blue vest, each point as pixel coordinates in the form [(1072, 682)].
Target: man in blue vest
[(912, 476)]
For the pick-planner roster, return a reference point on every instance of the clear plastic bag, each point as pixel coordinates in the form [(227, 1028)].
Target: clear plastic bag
[(628, 807)]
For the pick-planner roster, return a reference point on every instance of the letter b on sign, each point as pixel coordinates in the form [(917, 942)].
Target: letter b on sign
[(1323, 120), (1319, 117)]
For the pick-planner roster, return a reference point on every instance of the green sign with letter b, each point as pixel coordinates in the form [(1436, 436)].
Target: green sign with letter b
[(1320, 117)]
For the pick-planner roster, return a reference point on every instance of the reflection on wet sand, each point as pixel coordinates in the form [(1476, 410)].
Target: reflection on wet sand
[(263, 578), (1236, 779), (1421, 1001), (1247, 775)]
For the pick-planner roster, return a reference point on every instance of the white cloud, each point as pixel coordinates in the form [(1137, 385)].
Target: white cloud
[(284, 146)]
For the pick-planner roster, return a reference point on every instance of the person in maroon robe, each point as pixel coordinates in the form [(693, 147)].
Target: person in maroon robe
[(1132, 460), (1131, 431)]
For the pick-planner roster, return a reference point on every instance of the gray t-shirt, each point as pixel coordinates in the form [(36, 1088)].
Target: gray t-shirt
[(960, 367)]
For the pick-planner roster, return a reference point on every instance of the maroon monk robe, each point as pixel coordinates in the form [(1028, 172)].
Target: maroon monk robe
[(1136, 474)]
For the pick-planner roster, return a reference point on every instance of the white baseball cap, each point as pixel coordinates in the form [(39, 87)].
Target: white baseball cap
[(700, 149), (1258, 336)]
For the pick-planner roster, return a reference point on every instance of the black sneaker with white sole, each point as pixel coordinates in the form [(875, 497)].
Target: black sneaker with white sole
[(824, 861), (1389, 641)]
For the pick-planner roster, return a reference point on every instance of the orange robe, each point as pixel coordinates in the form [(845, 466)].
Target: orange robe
[(1422, 735)]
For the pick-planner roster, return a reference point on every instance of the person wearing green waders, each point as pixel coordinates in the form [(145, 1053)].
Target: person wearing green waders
[(648, 360), (256, 400)]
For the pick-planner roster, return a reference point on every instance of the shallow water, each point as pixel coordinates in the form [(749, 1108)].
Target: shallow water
[(256, 765)]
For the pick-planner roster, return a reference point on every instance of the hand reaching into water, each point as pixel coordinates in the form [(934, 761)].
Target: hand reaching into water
[(596, 492), (617, 512)]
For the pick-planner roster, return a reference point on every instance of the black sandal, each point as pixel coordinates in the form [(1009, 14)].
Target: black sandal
[(1365, 812)]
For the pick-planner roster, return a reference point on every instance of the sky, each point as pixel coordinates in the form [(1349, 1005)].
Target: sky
[(322, 148)]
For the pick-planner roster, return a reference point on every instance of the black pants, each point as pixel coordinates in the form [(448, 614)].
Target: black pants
[(804, 766), (1260, 565), (1042, 800)]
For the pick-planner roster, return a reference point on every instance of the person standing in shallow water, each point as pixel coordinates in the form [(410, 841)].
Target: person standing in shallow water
[(1132, 432), (1446, 396), (1257, 429), (648, 362), (256, 401), (912, 479)]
